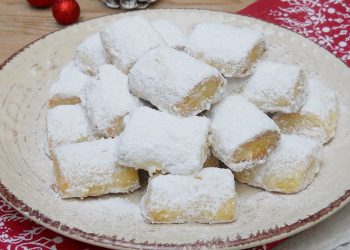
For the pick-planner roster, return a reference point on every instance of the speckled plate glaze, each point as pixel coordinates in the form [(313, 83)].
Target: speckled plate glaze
[(114, 221)]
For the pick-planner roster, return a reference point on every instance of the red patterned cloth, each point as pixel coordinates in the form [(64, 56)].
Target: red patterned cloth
[(327, 22)]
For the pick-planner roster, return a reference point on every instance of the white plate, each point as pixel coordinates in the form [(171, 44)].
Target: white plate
[(115, 220)]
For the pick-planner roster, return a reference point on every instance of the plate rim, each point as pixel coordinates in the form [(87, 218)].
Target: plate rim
[(259, 238)]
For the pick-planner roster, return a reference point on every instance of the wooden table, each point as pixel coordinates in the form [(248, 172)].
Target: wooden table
[(20, 24)]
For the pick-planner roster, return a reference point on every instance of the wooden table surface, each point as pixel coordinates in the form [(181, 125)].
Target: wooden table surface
[(20, 24)]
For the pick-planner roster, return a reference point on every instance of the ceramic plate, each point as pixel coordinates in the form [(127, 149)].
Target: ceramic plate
[(114, 220)]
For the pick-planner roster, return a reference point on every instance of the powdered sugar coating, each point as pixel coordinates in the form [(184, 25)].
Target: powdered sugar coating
[(165, 76), (90, 164), (154, 140), (170, 33), (127, 39), (190, 197), (277, 87), (223, 46), (70, 83), (318, 117), (321, 100), (107, 97), (236, 121), (90, 54), (290, 167), (67, 124)]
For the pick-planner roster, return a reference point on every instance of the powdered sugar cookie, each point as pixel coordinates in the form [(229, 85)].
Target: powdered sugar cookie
[(170, 33), (240, 134), (175, 82), (233, 51), (90, 169), (90, 54), (206, 197), (67, 89), (277, 87), (67, 124), (127, 39), (289, 169), (107, 100), (317, 118), (160, 142)]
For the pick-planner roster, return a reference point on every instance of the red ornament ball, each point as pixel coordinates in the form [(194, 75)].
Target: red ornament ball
[(40, 3), (66, 11)]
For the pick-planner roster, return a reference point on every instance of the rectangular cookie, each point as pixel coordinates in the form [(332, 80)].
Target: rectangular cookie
[(233, 51), (206, 197), (90, 55), (107, 100), (240, 134), (160, 142), (175, 82), (90, 169), (67, 124), (127, 39), (171, 34), (317, 118), (67, 89), (289, 169), (277, 87)]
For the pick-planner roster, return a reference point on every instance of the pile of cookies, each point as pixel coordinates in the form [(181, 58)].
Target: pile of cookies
[(144, 96)]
